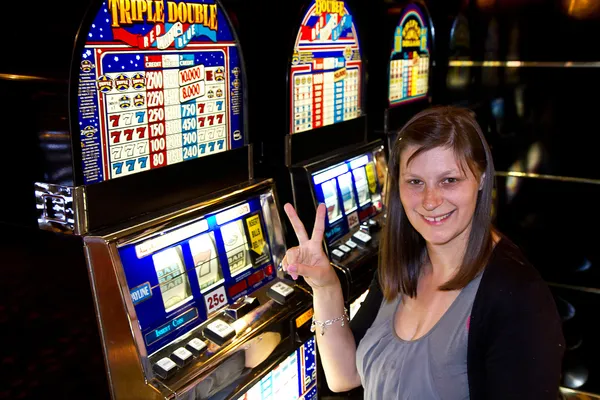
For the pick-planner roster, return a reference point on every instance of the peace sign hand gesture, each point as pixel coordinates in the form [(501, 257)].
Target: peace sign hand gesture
[(308, 258)]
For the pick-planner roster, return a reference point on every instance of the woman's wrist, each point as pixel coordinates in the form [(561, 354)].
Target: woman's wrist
[(332, 290), (328, 301)]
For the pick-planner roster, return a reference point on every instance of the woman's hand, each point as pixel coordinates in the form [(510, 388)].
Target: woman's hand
[(308, 258)]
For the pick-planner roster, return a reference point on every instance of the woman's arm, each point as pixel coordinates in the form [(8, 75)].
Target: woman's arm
[(336, 346), (524, 346)]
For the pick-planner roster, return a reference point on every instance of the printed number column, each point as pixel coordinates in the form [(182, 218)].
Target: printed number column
[(187, 78), (155, 99), (317, 100), (405, 81), (173, 112), (339, 76)]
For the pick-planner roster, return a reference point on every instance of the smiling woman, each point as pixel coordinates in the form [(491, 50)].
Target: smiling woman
[(443, 170), (455, 310)]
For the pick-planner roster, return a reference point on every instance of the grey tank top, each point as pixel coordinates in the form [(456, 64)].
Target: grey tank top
[(433, 366)]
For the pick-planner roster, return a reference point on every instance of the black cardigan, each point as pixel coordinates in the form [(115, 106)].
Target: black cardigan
[(516, 343)]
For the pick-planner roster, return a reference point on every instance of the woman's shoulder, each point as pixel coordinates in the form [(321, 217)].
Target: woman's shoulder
[(509, 267), (510, 280)]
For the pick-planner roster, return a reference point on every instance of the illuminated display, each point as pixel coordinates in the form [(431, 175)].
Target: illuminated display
[(325, 79), (409, 62), (352, 191), (171, 326), (236, 246), (203, 265), (292, 379), (172, 279), (208, 267), (159, 83), (348, 199)]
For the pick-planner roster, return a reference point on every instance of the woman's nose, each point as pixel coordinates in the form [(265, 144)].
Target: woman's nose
[(432, 198)]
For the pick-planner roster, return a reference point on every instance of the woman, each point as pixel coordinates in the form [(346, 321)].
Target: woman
[(455, 311)]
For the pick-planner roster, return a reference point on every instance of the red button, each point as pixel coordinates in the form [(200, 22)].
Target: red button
[(269, 269), (237, 288), (256, 277)]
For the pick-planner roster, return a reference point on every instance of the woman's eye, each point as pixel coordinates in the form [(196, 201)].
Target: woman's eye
[(451, 180), (414, 182)]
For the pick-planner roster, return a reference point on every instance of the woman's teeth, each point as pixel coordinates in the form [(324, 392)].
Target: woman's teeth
[(438, 219)]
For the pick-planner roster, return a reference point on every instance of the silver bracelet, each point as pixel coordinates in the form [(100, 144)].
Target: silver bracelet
[(322, 325)]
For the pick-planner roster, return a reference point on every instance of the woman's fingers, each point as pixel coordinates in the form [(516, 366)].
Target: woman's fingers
[(294, 256), (306, 271), (295, 264), (319, 227)]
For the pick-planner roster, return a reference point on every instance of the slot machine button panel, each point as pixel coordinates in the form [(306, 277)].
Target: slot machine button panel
[(362, 238), (366, 228), (219, 332), (337, 255), (165, 368), (280, 292), (374, 225), (196, 346), (351, 244), (182, 357), (345, 248), (242, 307)]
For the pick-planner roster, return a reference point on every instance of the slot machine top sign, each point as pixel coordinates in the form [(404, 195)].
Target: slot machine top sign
[(159, 83), (326, 70), (409, 62)]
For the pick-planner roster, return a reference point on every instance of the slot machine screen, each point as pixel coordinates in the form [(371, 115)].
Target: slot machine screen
[(293, 379), (157, 86), (410, 58), (352, 191), (179, 277), (326, 71)]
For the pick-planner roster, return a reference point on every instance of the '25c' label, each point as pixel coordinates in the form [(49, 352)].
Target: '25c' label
[(215, 300)]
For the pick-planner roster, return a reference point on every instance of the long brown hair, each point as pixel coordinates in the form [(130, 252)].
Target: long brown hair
[(403, 249)]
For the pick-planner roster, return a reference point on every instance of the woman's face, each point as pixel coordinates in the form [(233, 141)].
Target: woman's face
[(438, 196)]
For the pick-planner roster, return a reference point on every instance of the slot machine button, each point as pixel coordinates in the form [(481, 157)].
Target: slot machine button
[(280, 292), (196, 346), (181, 357), (165, 368), (351, 244), (361, 238), (242, 307), (365, 227), (374, 225), (219, 332), (337, 255), (345, 248)]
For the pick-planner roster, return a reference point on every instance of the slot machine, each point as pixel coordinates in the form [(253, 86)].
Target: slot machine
[(315, 61), (151, 206), (404, 64)]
